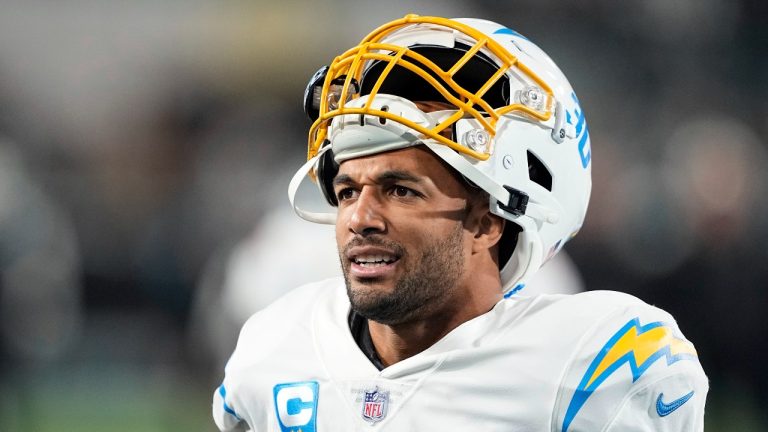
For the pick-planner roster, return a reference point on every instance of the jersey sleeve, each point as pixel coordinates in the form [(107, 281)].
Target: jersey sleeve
[(243, 402), (231, 403), (672, 404), (634, 371), (229, 410), (224, 414)]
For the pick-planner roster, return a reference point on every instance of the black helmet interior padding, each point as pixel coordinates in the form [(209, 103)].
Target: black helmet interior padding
[(508, 242), (327, 168), (404, 83)]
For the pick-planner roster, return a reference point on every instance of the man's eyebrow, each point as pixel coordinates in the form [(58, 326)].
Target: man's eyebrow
[(385, 177), (397, 175), (342, 179)]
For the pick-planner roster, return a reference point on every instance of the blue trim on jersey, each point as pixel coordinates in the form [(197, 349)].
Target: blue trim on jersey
[(514, 290), (227, 408), (584, 391), (508, 31)]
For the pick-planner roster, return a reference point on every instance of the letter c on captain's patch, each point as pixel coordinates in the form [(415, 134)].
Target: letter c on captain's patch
[(296, 405)]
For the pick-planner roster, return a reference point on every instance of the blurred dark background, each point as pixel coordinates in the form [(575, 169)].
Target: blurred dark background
[(144, 145)]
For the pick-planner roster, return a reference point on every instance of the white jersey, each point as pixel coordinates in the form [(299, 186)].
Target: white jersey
[(596, 361)]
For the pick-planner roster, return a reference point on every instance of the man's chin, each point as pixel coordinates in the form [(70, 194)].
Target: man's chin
[(370, 287), (368, 290)]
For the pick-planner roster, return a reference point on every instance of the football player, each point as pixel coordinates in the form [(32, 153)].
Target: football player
[(458, 158)]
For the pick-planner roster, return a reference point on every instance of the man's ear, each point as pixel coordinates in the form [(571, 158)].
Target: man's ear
[(488, 228)]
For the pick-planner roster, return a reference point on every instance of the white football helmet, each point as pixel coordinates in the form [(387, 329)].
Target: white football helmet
[(517, 130)]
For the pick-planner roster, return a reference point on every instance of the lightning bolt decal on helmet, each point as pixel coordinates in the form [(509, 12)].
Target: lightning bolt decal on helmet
[(516, 129)]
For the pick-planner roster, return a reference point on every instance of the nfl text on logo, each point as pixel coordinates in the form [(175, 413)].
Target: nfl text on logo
[(375, 405)]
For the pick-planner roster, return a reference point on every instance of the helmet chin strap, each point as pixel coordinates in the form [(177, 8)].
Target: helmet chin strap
[(293, 187), (539, 207)]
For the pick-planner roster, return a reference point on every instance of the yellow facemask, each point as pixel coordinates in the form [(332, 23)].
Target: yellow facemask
[(392, 45)]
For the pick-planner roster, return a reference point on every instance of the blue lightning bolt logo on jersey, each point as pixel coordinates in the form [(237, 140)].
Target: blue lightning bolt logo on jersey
[(638, 346)]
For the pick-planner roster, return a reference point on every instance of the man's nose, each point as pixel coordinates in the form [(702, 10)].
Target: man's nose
[(366, 217)]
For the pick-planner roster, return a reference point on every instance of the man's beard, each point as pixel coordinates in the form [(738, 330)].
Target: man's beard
[(423, 287)]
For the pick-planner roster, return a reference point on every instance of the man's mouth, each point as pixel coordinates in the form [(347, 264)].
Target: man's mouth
[(370, 261), (373, 261)]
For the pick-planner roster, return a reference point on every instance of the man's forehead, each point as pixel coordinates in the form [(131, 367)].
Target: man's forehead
[(417, 161)]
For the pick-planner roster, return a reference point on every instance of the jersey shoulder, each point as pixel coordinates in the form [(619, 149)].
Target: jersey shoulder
[(266, 330), (270, 338), (629, 349)]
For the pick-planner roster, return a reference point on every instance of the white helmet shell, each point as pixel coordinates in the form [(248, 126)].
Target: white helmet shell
[(531, 152)]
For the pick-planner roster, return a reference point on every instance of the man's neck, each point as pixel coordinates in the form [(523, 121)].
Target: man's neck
[(398, 342)]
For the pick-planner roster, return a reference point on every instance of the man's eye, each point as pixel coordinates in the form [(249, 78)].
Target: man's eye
[(345, 194), (402, 191)]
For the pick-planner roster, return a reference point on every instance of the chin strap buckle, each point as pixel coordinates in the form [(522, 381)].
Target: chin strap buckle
[(518, 202)]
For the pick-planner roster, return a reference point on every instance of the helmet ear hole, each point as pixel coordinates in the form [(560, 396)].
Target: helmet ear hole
[(538, 173)]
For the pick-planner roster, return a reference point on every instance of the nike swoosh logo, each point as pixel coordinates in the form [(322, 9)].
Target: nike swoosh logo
[(665, 409)]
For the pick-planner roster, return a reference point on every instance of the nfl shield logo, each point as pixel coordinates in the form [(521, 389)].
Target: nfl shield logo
[(375, 405)]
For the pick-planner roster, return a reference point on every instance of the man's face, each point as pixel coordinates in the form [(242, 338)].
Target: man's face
[(400, 233)]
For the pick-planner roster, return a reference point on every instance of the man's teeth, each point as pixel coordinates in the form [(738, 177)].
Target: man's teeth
[(374, 260)]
